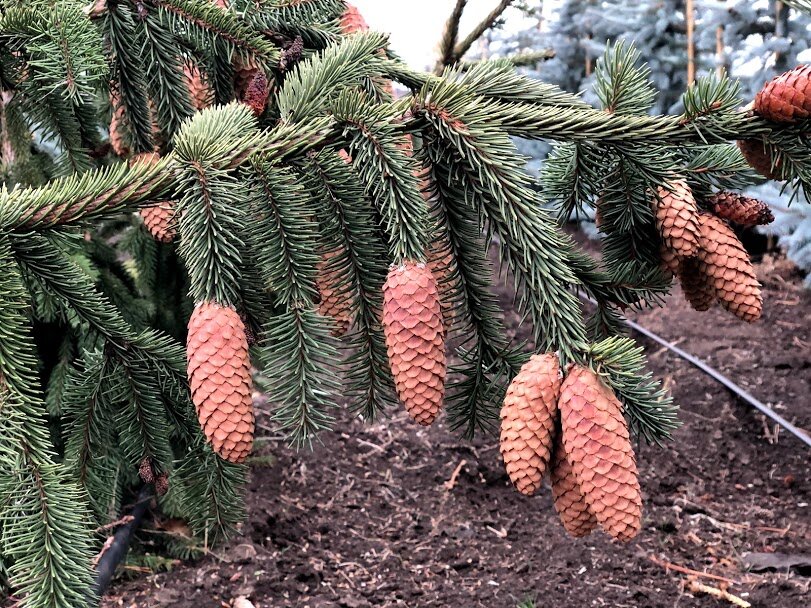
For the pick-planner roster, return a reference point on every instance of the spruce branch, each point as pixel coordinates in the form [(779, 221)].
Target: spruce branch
[(43, 513), (207, 23), (358, 267), (483, 156)]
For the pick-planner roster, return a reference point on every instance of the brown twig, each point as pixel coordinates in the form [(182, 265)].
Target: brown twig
[(451, 483), (460, 49), (696, 587), (676, 568)]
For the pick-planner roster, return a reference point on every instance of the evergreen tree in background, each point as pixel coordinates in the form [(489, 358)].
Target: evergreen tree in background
[(305, 223)]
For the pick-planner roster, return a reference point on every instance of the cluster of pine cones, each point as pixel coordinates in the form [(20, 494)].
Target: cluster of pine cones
[(573, 428), (701, 249), (699, 246)]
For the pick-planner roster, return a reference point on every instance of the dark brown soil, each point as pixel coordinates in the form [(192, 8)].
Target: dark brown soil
[(369, 518)]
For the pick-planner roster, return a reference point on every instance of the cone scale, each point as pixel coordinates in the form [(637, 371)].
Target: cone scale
[(220, 379), (415, 339)]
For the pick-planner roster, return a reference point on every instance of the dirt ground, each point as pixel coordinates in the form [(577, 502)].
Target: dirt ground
[(369, 518)]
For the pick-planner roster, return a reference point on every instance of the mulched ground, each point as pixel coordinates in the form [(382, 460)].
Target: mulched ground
[(370, 518)]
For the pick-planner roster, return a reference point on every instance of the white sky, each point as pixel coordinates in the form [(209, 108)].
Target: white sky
[(416, 25)]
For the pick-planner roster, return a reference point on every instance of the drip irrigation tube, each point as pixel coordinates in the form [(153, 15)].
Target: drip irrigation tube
[(721, 379), (117, 551)]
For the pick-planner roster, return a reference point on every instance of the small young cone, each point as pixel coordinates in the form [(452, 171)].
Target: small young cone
[(415, 339), (202, 95), (758, 154), (598, 444), (572, 508), (786, 98), (161, 221), (726, 267), (742, 210), (697, 291), (220, 379), (677, 218), (335, 303), (528, 422), (257, 92), (352, 21)]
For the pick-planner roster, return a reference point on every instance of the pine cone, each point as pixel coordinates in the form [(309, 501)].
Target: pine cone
[(742, 210), (596, 439), (670, 262), (727, 269), (786, 98), (257, 93), (697, 291), (162, 484), (758, 154), (244, 71), (161, 221), (200, 92), (352, 21), (335, 302), (677, 218), (118, 138), (220, 379), (145, 471), (528, 422), (415, 339), (572, 508)]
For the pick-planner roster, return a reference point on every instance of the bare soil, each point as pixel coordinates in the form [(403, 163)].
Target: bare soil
[(370, 518)]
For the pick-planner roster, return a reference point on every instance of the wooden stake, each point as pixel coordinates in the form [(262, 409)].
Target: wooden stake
[(719, 49), (690, 16)]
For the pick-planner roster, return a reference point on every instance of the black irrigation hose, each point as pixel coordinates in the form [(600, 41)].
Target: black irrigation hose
[(721, 379), (117, 551)]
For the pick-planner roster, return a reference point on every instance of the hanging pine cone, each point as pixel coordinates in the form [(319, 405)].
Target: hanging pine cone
[(162, 484), (145, 470), (669, 260), (352, 21), (220, 379), (596, 439), (786, 98), (528, 422), (161, 221), (697, 291), (257, 92), (335, 302), (677, 218), (118, 138), (202, 96), (572, 508), (415, 339), (758, 154), (244, 71), (725, 264), (742, 210)]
